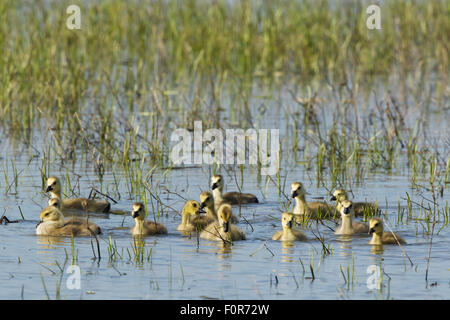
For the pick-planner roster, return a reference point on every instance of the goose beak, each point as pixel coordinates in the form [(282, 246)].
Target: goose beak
[(372, 230), (347, 210), (214, 186), (294, 194), (135, 214), (333, 198), (49, 188), (226, 226), (290, 224), (40, 221), (201, 210)]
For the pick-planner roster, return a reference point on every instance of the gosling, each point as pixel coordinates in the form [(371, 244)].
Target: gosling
[(360, 208), (142, 226), (207, 202), (348, 226), (190, 217), (379, 237), (288, 234), (231, 198), (223, 229), (54, 187), (311, 209), (52, 223)]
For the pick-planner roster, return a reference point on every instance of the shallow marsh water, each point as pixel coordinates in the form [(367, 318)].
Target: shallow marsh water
[(179, 268), (97, 106)]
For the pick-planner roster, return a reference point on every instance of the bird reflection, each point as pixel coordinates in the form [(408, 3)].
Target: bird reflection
[(377, 249), (287, 250), (346, 245), (49, 242)]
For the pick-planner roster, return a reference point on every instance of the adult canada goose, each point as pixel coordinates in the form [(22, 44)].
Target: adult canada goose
[(360, 208), (54, 187), (288, 233), (348, 226), (190, 217), (52, 223), (223, 229), (231, 198), (142, 225), (313, 210), (380, 237), (207, 202)]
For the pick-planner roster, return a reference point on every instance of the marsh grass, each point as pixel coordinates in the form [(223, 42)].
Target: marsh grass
[(353, 103)]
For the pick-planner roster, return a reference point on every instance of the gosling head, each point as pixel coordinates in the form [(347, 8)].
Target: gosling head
[(224, 216), (53, 185), (55, 202), (138, 211), (207, 199), (297, 189), (51, 214), (286, 220), (339, 195), (347, 208), (375, 226), (217, 182), (192, 208)]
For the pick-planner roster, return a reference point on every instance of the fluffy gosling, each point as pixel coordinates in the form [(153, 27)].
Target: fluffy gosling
[(52, 223), (380, 237), (207, 202), (312, 209), (142, 226), (190, 217), (348, 226), (231, 198), (54, 187), (288, 234), (223, 229), (360, 208)]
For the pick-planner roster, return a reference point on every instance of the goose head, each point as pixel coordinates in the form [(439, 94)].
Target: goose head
[(53, 185), (376, 226), (339, 195), (217, 182), (224, 216)]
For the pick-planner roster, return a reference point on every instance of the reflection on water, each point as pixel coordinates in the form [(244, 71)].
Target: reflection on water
[(346, 245), (182, 267), (377, 249), (287, 251), (50, 242)]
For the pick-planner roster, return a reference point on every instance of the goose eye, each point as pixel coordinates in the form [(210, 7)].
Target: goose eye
[(195, 205), (376, 225), (54, 183), (46, 214)]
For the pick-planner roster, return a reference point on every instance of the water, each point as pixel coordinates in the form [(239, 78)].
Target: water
[(181, 268)]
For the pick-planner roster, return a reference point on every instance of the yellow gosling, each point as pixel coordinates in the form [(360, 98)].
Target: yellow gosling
[(55, 202), (54, 187), (52, 223), (190, 217), (142, 225), (288, 233), (360, 208), (207, 202), (223, 229), (231, 198), (348, 226), (380, 237), (311, 209)]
